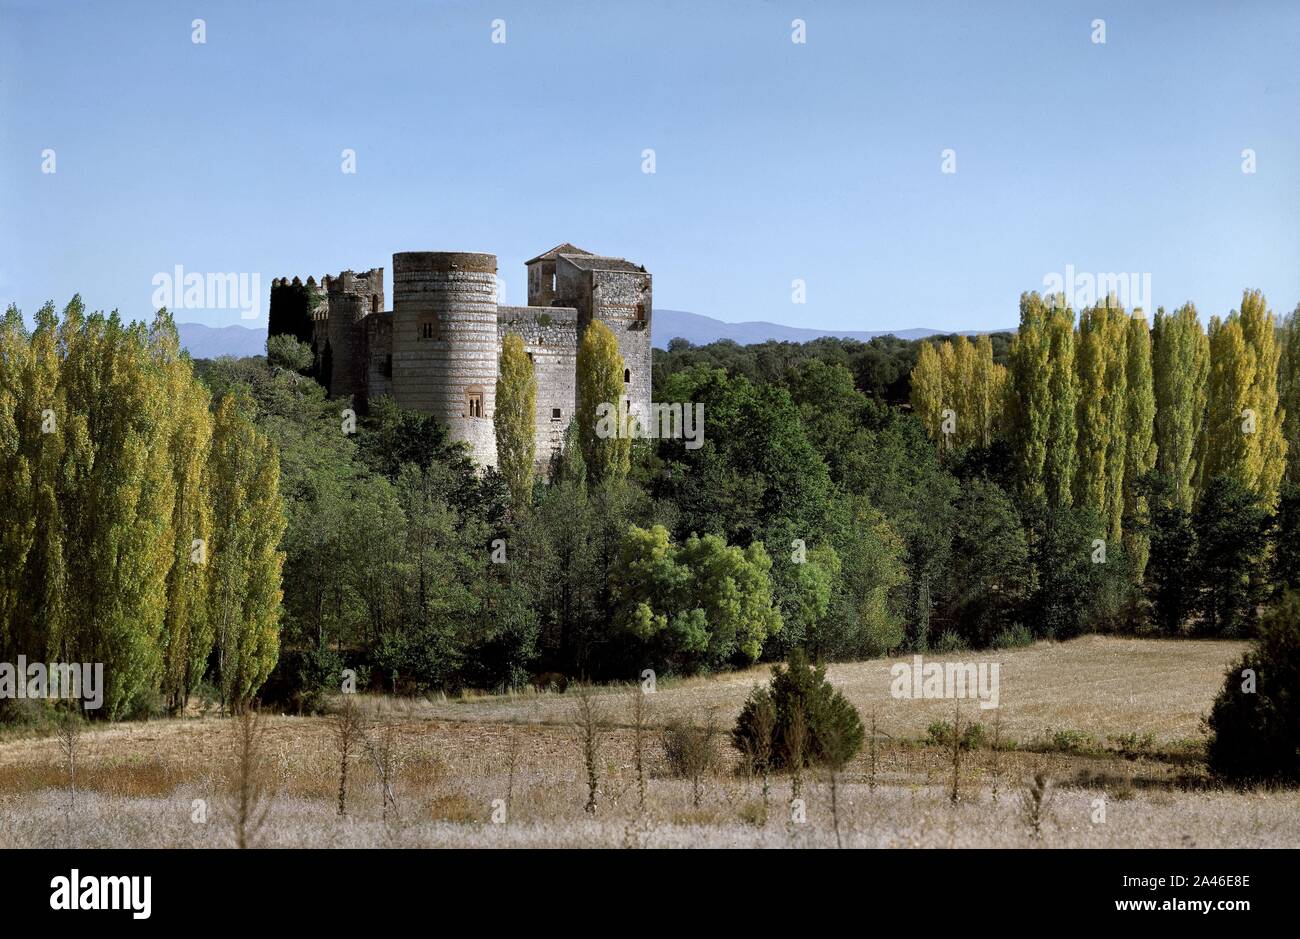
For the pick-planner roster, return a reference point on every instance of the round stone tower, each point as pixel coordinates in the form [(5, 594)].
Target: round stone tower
[(445, 342)]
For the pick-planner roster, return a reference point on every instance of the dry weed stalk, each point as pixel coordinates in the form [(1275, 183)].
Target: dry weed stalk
[(348, 730), (955, 794), (871, 773), (249, 775), (640, 718), (513, 763), (587, 719), (69, 733), (1035, 802), (691, 752), (996, 768), (383, 753)]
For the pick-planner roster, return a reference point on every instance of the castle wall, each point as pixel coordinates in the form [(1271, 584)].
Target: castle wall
[(622, 300), (550, 337), (379, 359), (445, 343), (438, 350)]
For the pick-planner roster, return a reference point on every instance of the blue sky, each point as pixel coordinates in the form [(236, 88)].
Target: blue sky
[(775, 161)]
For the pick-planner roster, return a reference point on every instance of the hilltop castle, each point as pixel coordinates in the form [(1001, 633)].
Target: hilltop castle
[(437, 349)]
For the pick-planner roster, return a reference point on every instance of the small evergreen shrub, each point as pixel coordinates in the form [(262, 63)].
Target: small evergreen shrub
[(1255, 735), (834, 730)]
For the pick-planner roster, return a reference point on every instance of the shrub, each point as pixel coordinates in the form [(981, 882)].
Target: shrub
[(1012, 637), (950, 642), (1256, 734), (939, 733), (1070, 741), (688, 749), (302, 679), (833, 729)]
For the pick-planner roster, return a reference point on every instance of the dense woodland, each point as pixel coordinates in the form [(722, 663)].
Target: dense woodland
[(850, 499)]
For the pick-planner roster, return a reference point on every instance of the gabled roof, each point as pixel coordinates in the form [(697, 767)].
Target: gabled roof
[(596, 262), (555, 252)]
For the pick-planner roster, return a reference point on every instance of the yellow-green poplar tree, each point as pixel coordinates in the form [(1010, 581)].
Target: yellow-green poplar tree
[(927, 389), (1268, 447), (1227, 450), (1139, 437), (1030, 381), (1180, 365), (1062, 399), (1288, 387), (602, 432), (187, 637), (515, 420), (244, 560)]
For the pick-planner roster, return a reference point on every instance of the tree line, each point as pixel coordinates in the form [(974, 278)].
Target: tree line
[(143, 516)]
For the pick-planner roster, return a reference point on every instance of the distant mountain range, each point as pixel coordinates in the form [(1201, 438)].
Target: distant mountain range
[(210, 342), (701, 330)]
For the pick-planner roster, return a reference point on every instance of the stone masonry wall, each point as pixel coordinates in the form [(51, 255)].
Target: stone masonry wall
[(550, 337), (445, 342)]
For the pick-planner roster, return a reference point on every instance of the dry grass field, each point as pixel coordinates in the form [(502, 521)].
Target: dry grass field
[(1113, 724)]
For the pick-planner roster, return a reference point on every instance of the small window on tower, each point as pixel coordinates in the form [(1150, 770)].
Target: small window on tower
[(475, 404), (627, 376), (388, 366), (426, 329), (555, 414), (374, 303)]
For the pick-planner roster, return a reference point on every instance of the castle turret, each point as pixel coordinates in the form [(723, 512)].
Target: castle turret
[(445, 342)]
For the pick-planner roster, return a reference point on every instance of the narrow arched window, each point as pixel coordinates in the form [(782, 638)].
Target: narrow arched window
[(627, 376)]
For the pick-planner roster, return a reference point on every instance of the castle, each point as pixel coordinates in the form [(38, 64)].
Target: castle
[(436, 351)]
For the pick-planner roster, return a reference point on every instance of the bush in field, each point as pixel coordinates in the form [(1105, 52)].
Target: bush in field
[(1256, 726), (833, 729)]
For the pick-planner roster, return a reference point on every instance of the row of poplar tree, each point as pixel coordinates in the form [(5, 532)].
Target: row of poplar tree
[(1089, 409), (142, 520)]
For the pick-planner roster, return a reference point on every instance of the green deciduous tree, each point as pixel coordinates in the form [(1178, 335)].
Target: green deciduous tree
[(702, 604)]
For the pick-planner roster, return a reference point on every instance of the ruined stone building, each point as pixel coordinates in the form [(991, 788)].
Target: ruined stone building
[(437, 349)]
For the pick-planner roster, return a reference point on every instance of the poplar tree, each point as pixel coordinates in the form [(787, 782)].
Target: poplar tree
[(187, 638), (1288, 387), (1031, 395), (606, 446), (1226, 448), (244, 560), (963, 391), (1093, 410), (1117, 393), (1063, 392), (1180, 364), (115, 498), (1267, 445), (1139, 438), (1244, 433), (927, 389), (515, 420), (109, 486)]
